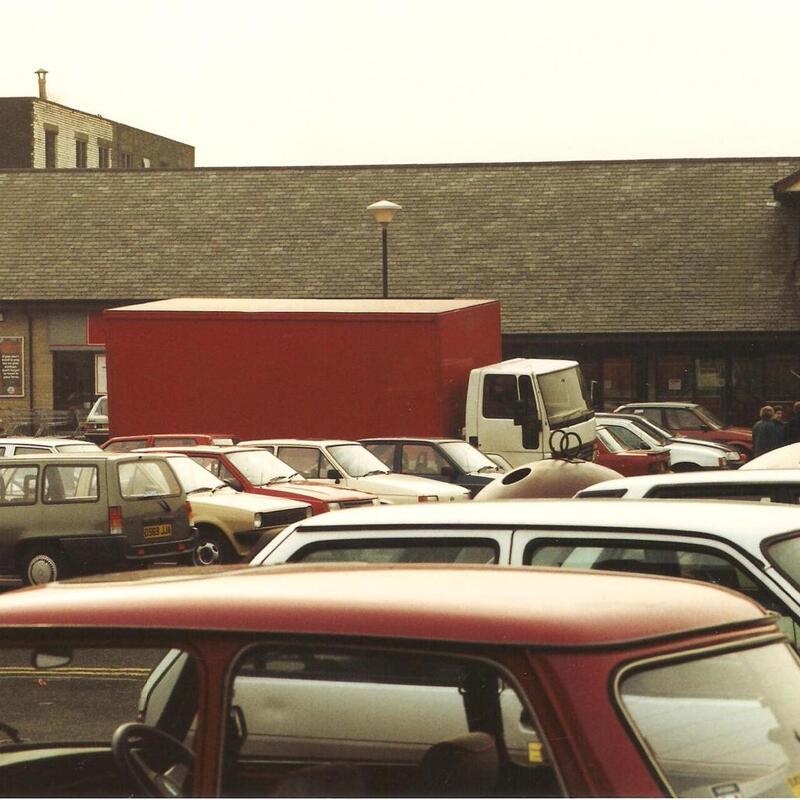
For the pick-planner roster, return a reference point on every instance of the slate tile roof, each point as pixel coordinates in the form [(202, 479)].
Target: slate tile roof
[(576, 247)]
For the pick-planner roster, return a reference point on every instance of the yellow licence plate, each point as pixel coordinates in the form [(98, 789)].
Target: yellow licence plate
[(157, 531)]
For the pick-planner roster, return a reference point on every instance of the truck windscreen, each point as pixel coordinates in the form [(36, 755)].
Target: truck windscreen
[(564, 395)]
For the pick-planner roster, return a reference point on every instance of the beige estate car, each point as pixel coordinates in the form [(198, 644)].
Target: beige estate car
[(229, 523), (84, 513)]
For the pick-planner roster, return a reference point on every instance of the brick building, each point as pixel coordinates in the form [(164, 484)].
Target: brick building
[(36, 133), (668, 279)]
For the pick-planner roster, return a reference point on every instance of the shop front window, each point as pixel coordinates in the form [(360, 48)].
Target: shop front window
[(673, 377)]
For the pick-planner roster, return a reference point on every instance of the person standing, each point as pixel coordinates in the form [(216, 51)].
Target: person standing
[(791, 431), (780, 425), (765, 432)]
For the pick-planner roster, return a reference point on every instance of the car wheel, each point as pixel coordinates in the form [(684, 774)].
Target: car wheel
[(685, 466), (212, 548), (43, 564)]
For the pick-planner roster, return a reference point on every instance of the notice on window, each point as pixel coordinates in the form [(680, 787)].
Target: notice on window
[(674, 384), (12, 363), (100, 385)]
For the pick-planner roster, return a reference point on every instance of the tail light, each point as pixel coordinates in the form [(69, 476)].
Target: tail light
[(188, 506), (115, 519)]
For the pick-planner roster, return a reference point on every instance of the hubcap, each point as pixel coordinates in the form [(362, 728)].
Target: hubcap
[(42, 569), (206, 553)]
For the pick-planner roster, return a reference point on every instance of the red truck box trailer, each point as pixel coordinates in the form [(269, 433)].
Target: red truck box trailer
[(302, 368)]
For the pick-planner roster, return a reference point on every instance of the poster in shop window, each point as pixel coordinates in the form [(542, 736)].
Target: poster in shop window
[(12, 366)]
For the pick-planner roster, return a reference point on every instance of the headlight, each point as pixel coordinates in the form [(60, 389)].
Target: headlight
[(257, 521), (427, 498), (733, 455), (334, 506)]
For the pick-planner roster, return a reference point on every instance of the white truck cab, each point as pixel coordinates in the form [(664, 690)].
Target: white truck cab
[(514, 407)]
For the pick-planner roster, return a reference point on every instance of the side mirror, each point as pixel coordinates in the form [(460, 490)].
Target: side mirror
[(51, 659), (334, 475), (705, 428), (234, 484), (448, 472)]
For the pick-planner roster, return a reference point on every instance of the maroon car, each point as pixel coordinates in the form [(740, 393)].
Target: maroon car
[(253, 469), (124, 444), (692, 419)]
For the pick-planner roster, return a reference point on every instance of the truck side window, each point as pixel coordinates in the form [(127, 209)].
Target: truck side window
[(499, 396)]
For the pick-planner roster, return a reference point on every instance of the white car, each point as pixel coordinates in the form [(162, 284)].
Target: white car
[(39, 445), (786, 457), (351, 465), (685, 455), (763, 486), (95, 426), (229, 523), (750, 547)]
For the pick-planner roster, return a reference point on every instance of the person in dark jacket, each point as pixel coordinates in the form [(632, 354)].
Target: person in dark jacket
[(791, 431), (780, 425), (765, 432)]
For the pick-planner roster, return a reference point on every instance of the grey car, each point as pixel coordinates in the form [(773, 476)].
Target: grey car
[(62, 515)]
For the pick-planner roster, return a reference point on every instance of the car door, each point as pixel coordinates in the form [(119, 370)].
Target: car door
[(19, 506), (657, 554)]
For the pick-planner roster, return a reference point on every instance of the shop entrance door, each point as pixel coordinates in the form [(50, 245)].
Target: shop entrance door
[(73, 379)]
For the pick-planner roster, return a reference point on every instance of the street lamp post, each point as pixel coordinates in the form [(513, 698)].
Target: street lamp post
[(383, 212)]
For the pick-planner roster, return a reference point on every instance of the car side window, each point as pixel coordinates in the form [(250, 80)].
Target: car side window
[(422, 459), (70, 484), (653, 414), (682, 419), (327, 721), (402, 551), (666, 559), (166, 441), (305, 460), (19, 485), (384, 452), (126, 446), (211, 464), (499, 396), (25, 450), (751, 493)]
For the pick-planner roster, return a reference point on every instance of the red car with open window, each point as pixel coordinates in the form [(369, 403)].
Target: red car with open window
[(353, 680), (613, 453)]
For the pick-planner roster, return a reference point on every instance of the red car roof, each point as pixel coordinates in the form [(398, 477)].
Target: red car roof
[(482, 604)]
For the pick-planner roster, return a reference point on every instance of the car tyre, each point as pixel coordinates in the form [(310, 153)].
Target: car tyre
[(212, 548), (43, 564), (685, 466)]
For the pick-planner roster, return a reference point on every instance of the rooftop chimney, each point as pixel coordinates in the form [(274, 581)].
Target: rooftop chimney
[(42, 83)]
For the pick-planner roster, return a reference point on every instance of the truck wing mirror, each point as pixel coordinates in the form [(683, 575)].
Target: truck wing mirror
[(594, 390)]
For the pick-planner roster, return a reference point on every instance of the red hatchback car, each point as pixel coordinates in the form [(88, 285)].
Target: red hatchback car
[(394, 681), (616, 455), (253, 469), (124, 444), (695, 421)]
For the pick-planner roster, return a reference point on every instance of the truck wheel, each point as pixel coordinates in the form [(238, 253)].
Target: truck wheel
[(212, 548), (43, 564)]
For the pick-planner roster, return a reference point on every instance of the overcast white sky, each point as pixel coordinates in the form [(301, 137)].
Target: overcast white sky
[(380, 81)]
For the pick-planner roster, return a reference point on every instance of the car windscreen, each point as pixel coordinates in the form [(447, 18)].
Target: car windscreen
[(723, 725), (468, 458), (356, 460), (564, 394), (193, 477), (784, 555), (709, 417), (260, 467)]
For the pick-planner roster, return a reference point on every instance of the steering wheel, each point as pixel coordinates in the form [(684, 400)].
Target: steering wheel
[(137, 748)]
